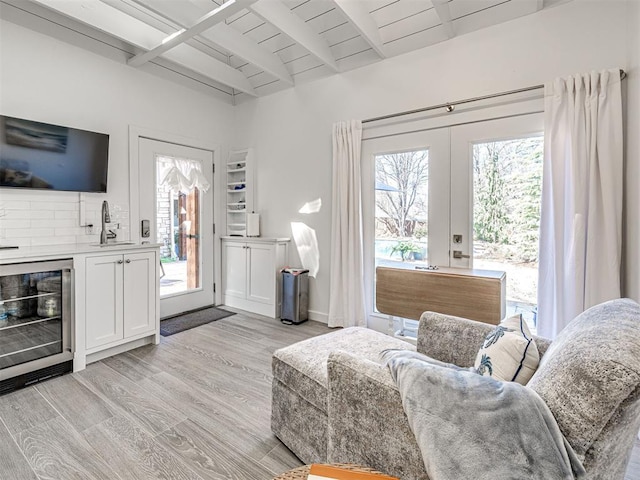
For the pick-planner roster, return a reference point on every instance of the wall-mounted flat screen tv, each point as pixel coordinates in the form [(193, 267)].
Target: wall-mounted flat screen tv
[(44, 156)]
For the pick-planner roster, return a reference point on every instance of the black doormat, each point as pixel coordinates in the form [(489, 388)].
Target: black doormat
[(186, 321)]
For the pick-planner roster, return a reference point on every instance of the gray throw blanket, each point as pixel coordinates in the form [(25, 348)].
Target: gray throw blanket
[(472, 427)]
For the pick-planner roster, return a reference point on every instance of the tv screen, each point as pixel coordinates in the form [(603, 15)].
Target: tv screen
[(45, 156)]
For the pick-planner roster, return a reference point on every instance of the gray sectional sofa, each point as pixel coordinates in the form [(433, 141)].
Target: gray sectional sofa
[(333, 400)]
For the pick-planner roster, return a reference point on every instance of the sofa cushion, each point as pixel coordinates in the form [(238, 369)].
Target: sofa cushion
[(591, 368), (509, 353), (302, 367)]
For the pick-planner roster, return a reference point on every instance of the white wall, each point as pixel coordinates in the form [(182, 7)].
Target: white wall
[(632, 192), (48, 80), (291, 130)]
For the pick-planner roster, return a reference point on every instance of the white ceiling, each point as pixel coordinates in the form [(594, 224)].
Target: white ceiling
[(249, 48)]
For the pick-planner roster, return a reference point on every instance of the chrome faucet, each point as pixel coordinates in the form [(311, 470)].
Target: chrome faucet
[(106, 218)]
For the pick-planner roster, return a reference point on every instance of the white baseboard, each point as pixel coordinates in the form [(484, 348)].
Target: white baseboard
[(319, 316), (109, 352)]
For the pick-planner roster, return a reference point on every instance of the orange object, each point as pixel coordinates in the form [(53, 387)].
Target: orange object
[(328, 472)]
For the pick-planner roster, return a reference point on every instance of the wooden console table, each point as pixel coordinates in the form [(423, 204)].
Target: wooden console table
[(475, 294)]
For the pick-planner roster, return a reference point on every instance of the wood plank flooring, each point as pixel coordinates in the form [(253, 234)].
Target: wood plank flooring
[(197, 406)]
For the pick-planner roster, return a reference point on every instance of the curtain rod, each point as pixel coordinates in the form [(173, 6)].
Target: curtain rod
[(450, 105)]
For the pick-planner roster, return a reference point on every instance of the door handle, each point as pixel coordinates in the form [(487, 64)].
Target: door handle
[(127, 261), (459, 254), (119, 262)]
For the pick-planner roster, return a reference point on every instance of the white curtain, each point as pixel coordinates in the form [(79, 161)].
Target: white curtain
[(581, 218), (182, 174), (346, 301)]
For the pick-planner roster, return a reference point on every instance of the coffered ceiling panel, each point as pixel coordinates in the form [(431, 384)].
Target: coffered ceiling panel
[(249, 48)]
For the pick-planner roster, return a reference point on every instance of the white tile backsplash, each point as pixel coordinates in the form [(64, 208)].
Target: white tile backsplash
[(53, 218)]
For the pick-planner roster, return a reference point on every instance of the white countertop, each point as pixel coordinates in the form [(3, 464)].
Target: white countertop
[(256, 239), (49, 252)]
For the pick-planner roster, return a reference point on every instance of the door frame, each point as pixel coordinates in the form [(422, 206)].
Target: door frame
[(508, 106), (437, 142), (135, 134)]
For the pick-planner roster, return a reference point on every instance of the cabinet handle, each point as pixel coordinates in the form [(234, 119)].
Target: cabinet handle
[(127, 261), (119, 262)]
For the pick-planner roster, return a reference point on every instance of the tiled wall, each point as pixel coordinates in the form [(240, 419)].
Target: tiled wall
[(36, 218)]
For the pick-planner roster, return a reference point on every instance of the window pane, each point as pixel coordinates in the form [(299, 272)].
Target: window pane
[(401, 196), (507, 184), (178, 232)]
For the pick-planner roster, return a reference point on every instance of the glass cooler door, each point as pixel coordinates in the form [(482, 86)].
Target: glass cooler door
[(34, 315)]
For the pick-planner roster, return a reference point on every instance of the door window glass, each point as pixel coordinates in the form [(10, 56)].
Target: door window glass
[(401, 206), (178, 233), (507, 183)]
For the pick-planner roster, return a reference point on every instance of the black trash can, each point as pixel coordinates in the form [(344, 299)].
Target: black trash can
[(295, 296)]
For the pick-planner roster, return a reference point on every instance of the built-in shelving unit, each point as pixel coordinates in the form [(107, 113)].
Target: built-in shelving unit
[(239, 191)]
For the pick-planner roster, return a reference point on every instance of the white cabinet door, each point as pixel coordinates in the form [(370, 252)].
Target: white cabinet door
[(139, 297), (261, 273), (234, 269), (103, 300)]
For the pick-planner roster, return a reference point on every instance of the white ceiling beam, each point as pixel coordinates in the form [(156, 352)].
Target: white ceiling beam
[(278, 14), (186, 13), (204, 23), (444, 13), (242, 46), (114, 22), (358, 15)]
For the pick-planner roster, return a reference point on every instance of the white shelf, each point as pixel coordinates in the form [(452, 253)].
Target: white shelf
[(240, 201)]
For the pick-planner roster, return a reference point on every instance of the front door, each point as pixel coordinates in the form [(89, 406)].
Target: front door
[(181, 221)]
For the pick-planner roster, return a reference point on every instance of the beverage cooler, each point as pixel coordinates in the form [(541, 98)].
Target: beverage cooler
[(36, 318)]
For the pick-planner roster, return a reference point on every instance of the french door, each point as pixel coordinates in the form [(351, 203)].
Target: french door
[(405, 202), (465, 196), (181, 221)]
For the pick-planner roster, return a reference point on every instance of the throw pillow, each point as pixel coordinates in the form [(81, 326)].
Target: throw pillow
[(509, 352)]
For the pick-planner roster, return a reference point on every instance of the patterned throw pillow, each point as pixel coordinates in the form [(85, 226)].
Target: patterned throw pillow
[(508, 353)]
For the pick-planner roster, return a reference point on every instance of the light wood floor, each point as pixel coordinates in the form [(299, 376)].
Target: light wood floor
[(195, 407)]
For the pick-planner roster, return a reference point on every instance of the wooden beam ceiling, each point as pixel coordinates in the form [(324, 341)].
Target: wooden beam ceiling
[(279, 15), (144, 36), (207, 21), (357, 13)]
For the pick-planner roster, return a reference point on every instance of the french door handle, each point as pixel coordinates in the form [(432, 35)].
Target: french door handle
[(459, 254)]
